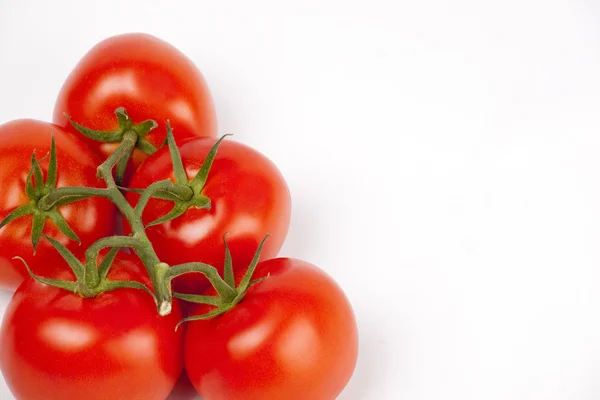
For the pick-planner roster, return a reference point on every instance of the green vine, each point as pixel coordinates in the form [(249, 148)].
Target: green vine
[(91, 277)]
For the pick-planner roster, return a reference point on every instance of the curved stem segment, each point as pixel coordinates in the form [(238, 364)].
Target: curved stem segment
[(225, 291)]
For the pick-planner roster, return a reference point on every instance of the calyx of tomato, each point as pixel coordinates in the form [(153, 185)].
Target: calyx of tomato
[(226, 299), (91, 277), (126, 126), (90, 280), (184, 193), (36, 189)]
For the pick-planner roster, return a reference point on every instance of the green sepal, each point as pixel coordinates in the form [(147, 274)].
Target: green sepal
[(62, 225), (37, 174), (245, 283), (106, 263), (196, 298), (17, 213), (39, 220), (201, 202), (178, 169), (59, 283), (144, 127), (30, 189), (259, 280), (145, 146), (122, 118), (74, 263), (99, 136), (201, 177), (125, 124), (211, 314), (228, 265), (176, 211), (52, 177)]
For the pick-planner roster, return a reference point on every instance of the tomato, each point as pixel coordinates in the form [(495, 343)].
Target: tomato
[(56, 345), (249, 199), (292, 337), (91, 219), (149, 78)]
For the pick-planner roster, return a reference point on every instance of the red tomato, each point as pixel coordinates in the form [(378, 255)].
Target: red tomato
[(91, 219), (56, 345), (292, 337), (249, 200), (149, 78)]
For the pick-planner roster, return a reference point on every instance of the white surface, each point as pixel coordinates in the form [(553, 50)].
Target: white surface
[(443, 158)]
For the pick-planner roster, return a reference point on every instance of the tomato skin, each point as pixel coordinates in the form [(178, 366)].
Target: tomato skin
[(249, 197), (91, 219), (292, 337), (56, 345), (149, 78)]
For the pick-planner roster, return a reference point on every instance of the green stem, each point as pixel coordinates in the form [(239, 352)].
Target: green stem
[(105, 172), (125, 148), (160, 273), (138, 241), (226, 292), (91, 253), (92, 275), (161, 282)]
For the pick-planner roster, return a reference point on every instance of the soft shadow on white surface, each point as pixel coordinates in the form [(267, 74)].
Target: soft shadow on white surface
[(302, 240), (376, 364)]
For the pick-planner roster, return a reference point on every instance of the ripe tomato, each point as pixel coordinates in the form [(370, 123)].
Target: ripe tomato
[(56, 345), (91, 219), (249, 199), (149, 78), (292, 337)]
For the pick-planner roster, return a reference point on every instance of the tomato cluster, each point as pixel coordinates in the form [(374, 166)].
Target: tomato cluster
[(141, 245)]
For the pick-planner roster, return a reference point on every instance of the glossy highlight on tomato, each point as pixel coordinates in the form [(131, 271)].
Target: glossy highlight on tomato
[(149, 78), (249, 199), (57, 345), (91, 219), (292, 337)]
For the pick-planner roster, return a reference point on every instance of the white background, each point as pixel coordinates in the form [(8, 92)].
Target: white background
[(443, 158)]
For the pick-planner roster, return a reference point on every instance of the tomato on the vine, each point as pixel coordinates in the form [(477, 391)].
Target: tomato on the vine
[(249, 199), (293, 336), (91, 219), (149, 78), (57, 345)]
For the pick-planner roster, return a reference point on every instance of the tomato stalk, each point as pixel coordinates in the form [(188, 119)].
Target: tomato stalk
[(185, 193), (229, 294), (138, 241), (126, 129)]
